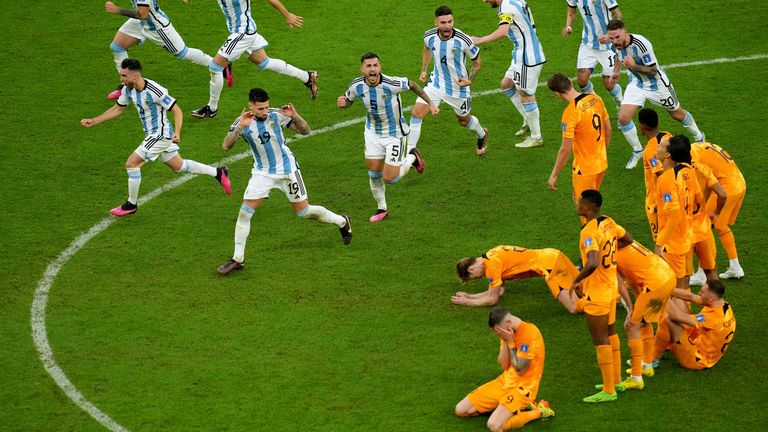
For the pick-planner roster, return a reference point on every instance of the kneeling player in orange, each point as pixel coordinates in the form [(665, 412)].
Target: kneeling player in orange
[(504, 263), (700, 340), (511, 397)]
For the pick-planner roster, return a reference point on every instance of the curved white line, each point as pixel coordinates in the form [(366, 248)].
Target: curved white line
[(39, 332)]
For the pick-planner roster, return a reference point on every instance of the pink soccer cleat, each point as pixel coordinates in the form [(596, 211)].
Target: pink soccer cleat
[(125, 209), (379, 215), (222, 175), (115, 95)]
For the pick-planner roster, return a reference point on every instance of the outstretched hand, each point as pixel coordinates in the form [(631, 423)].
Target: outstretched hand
[(294, 20)]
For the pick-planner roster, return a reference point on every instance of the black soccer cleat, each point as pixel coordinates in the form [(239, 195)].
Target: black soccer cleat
[(346, 230), (204, 112)]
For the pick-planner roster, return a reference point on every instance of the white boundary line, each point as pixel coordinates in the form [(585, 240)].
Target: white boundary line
[(40, 333)]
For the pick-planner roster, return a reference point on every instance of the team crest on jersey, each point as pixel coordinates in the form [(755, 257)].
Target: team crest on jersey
[(167, 100), (653, 162), (490, 281), (700, 318), (667, 197), (563, 126), (524, 348), (588, 242)]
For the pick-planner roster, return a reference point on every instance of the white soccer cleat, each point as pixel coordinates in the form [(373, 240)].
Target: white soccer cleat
[(733, 273), (530, 142), (698, 278), (634, 159), (524, 129)]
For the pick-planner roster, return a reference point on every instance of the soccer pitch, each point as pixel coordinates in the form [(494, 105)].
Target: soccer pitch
[(313, 335)]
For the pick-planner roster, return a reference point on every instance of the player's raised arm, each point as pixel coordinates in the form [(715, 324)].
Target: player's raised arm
[(291, 19), (246, 118), (298, 124), (420, 92), (112, 112)]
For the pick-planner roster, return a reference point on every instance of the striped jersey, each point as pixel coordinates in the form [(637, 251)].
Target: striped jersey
[(267, 142), (449, 60), (641, 49), (238, 14), (595, 15), (153, 104), (384, 114), (156, 18), (522, 32)]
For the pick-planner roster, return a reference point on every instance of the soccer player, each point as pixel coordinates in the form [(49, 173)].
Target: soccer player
[(505, 263), (594, 48), (153, 104), (274, 167), (511, 397), (243, 38), (597, 288), (647, 82), (520, 81), (698, 340), (449, 81), (385, 127), (648, 121), (730, 177), (147, 21), (701, 222), (652, 281), (586, 131)]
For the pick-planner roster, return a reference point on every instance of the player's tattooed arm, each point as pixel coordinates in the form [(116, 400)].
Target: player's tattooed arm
[(475, 69), (142, 12), (420, 92), (616, 13), (299, 125)]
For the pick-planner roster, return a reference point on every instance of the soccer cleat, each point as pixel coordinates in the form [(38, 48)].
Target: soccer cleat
[(530, 142), (346, 230), (115, 95), (125, 209), (482, 143), (228, 75), (524, 129), (229, 266), (601, 397), (379, 215), (222, 176), (632, 384), (698, 278), (546, 411), (204, 112), (418, 162), (619, 387), (732, 273), (634, 159), (647, 372), (311, 84)]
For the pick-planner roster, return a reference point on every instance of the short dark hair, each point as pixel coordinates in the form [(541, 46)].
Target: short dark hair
[(367, 56), (679, 149), (648, 117), (593, 197), (131, 64), (615, 24), (716, 287), (462, 267), (258, 95), (443, 10), (559, 83), (497, 316)]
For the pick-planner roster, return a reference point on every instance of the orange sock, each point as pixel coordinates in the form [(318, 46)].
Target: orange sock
[(616, 355), (636, 355), (520, 419), (661, 340), (605, 362), (646, 335), (728, 242)]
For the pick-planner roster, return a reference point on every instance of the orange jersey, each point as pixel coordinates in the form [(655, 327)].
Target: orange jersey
[(701, 225), (600, 235), (652, 167), (721, 164), (585, 120), (713, 332), (504, 263), (676, 189), (643, 268), (530, 345)]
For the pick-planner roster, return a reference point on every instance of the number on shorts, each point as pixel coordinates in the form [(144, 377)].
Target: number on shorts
[(293, 188), (609, 253), (727, 342), (610, 60), (668, 102), (466, 105), (264, 137), (597, 124)]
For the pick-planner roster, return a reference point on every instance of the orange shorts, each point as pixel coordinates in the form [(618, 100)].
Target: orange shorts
[(651, 306), (597, 308), (706, 251), (562, 275), (584, 182), (652, 213), (681, 264), (687, 353), (491, 394), (730, 210)]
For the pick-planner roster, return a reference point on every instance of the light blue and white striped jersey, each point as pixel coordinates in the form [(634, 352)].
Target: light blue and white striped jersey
[(382, 103), (238, 14), (267, 142), (153, 104), (595, 15), (522, 32), (641, 49), (449, 59), (156, 18)]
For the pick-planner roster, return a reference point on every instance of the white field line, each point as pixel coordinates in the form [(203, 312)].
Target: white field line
[(39, 331)]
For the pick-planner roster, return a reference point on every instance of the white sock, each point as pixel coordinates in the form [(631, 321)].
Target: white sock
[(215, 85), (514, 96), (134, 181), (646, 365), (281, 67), (690, 125), (192, 167), (532, 117), (587, 88), (378, 189), (630, 133), (198, 57), (413, 136), (242, 229), (474, 126), (322, 214), (119, 54), (734, 263), (407, 165)]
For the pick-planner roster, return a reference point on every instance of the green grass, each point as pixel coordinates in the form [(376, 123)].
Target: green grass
[(313, 335)]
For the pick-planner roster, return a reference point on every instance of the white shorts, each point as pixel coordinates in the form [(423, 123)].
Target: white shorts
[(239, 43), (590, 57), (167, 37), (390, 149), (261, 183), (664, 97), (461, 106), (526, 78), (153, 147)]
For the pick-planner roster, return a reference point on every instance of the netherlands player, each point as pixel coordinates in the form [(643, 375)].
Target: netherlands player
[(701, 223), (449, 81), (647, 82), (243, 39), (385, 127), (648, 120), (511, 397), (521, 79), (506, 263), (594, 48), (274, 167), (147, 21), (153, 104)]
